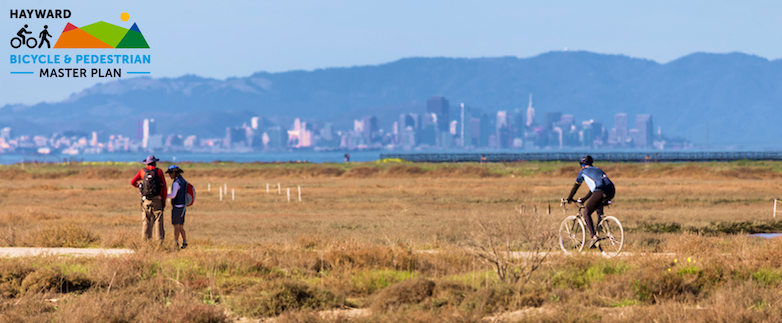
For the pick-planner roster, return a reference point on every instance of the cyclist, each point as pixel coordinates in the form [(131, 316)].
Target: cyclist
[(21, 34), (601, 191)]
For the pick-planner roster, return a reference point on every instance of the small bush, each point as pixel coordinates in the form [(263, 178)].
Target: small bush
[(278, 296), (582, 272), (51, 280), (370, 281), (669, 227), (123, 239), (767, 276), (11, 276), (189, 310), (408, 292), (68, 235)]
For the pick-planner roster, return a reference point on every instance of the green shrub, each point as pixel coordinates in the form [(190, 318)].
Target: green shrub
[(767, 276), (582, 272), (371, 281)]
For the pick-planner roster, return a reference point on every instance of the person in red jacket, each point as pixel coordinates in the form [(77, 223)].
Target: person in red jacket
[(151, 183)]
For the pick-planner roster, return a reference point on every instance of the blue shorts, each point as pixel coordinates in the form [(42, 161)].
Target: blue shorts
[(177, 215)]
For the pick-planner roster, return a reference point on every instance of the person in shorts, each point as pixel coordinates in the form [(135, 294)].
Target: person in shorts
[(178, 203)]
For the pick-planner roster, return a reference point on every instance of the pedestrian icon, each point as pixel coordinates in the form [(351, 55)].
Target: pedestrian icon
[(44, 37)]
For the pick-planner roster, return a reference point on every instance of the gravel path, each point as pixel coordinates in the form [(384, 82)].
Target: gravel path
[(78, 252)]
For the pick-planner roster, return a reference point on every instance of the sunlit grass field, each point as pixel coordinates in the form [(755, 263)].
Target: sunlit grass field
[(393, 242)]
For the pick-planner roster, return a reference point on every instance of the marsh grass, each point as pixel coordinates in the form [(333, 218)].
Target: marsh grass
[(392, 239)]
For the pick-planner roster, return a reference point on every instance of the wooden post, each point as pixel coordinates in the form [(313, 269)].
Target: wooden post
[(209, 187), (775, 208), (267, 188), (233, 196), (289, 195), (548, 209), (299, 193), (225, 189), (278, 188), (221, 193)]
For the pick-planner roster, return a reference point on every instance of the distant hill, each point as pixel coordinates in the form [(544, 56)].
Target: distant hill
[(735, 95)]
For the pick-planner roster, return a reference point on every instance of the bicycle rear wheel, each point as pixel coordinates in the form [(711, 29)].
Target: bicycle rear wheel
[(612, 236), (571, 234)]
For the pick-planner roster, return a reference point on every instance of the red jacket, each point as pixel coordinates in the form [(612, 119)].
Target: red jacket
[(140, 175)]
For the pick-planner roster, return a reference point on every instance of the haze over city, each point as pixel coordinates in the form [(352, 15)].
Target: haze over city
[(343, 75)]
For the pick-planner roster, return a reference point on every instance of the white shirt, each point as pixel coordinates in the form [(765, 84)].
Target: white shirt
[(174, 190)]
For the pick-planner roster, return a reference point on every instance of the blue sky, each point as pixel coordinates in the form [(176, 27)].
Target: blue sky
[(237, 38)]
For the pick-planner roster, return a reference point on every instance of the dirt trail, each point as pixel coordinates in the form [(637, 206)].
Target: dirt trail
[(78, 252)]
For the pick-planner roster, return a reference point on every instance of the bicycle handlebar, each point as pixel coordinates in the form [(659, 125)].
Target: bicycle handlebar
[(563, 202)]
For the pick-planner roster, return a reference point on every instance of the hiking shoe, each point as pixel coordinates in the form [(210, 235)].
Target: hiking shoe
[(184, 245), (592, 242)]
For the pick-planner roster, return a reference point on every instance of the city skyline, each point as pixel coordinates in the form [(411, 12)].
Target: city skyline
[(687, 97), (433, 130)]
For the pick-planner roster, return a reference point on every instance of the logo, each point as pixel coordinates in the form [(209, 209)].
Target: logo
[(30, 42), (101, 35), (97, 35)]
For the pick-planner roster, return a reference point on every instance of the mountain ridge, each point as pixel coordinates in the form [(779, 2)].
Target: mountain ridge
[(734, 94)]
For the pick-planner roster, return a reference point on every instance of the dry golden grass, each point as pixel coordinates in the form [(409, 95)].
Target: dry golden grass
[(392, 238)]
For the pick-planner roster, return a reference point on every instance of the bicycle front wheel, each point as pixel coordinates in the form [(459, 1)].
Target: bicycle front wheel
[(571, 234), (612, 236)]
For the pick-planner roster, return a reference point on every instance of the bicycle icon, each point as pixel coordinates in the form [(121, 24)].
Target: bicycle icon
[(30, 42), (18, 42)]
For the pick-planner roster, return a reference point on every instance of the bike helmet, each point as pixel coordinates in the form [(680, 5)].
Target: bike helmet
[(586, 160)]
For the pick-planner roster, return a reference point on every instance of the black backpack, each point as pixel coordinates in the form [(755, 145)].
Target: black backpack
[(150, 184)]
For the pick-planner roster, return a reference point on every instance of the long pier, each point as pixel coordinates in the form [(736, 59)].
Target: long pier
[(663, 157)]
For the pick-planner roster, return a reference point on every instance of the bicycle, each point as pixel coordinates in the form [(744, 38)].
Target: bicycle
[(572, 235), (19, 42)]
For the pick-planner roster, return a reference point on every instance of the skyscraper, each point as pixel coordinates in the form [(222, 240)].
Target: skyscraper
[(439, 106), (300, 136), (409, 120), (643, 122), (503, 129), (530, 113), (551, 119), (621, 128), (407, 132), (427, 135), (466, 123), (275, 138), (370, 129), (475, 127), (485, 131), (149, 129)]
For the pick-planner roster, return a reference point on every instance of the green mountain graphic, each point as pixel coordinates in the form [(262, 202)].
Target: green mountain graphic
[(106, 32), (133, 39)]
